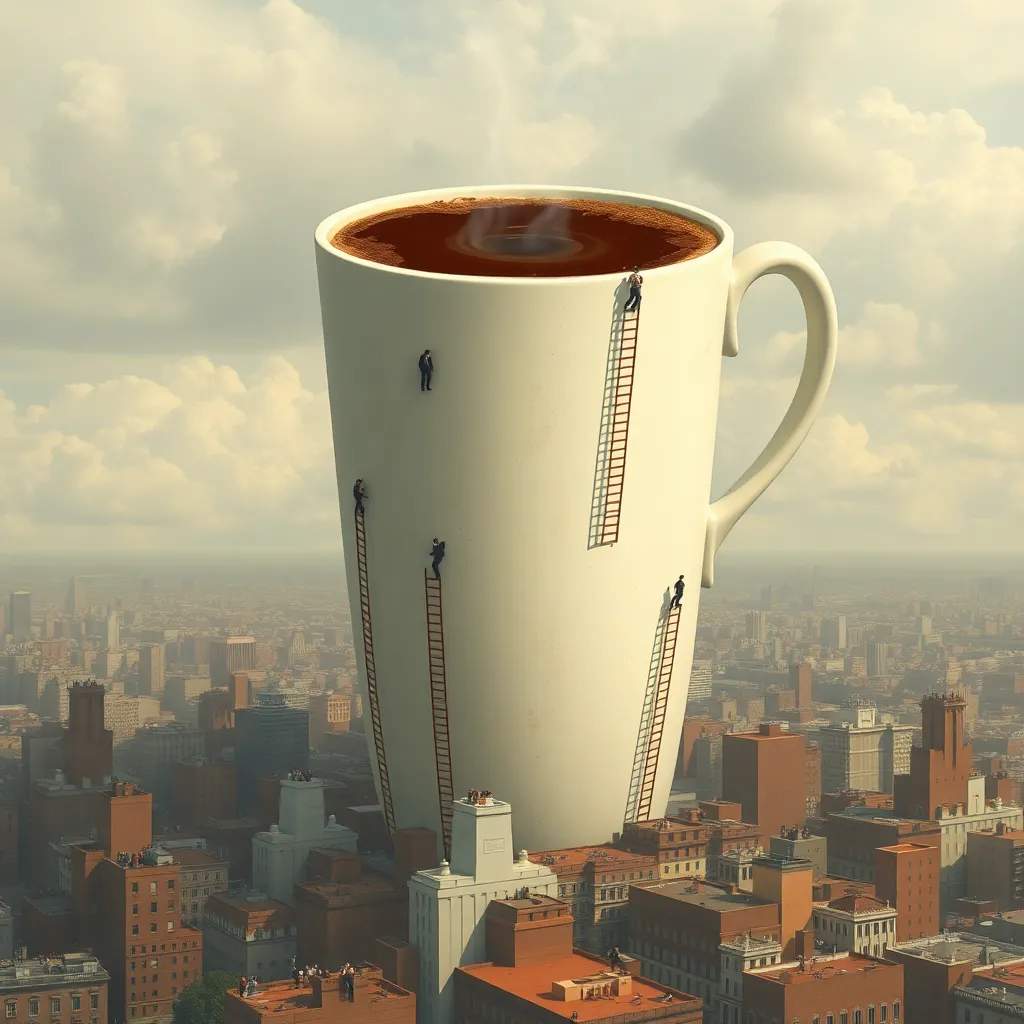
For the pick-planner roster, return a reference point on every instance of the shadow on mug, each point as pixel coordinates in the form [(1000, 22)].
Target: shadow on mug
[(599, 504), (644, 738)]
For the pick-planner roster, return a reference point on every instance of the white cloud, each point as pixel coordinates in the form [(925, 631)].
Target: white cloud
[(201, 458)]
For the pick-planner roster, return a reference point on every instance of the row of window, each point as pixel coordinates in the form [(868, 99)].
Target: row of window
[(153, 908), (873, 1016), (163, 947), (11, 1006), (153, 887), (152, 927)]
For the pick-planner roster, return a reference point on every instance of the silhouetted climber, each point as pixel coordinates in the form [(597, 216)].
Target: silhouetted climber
[(437, 556), (358, 493), (677, 599), (635, 282), (426, 370)]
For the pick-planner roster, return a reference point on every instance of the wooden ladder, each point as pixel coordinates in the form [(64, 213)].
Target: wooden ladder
[(650, 769), (439, 705), (371, 672), (622, 398)]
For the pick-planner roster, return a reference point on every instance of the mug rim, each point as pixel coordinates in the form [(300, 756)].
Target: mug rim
[(330, 226)]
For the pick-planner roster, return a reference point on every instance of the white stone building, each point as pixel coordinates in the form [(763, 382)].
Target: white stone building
[(279, 856), (861, 752), (447, 904), (739, 955), (855, 923)]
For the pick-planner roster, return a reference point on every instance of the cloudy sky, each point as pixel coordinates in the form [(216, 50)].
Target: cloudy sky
[(163, 164)]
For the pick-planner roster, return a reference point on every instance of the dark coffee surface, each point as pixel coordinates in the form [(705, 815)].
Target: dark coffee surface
[(498, 237)]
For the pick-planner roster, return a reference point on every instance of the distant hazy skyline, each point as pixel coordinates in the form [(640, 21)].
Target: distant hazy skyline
[(163, 165)]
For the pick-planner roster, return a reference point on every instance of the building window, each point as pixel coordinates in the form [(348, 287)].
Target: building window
[(94, 1000), (152, 888), (170, 926), (170, 885), (12, 1010), (170, 906), (895, 1010), (33, 1005), (135, 888), (135, 929), (135, 910), (152, 907), (76, 1002), (54, 1004), (871, 1015), (858, 1017), (883, 1013)]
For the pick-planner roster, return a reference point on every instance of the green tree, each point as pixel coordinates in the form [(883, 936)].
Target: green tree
[(203, 1001)]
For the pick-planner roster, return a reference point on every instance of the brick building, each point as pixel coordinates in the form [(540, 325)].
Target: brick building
[(202, 789), (322, 1001), (676, 929), (758, 770), (678, 844), (693, 729), (907, 877), (534, 976), (69, 987), (231, 840), (941, 766), (800, 677), (846, 987), (595, 880), (125, 904), (995, 866), (853, 839)]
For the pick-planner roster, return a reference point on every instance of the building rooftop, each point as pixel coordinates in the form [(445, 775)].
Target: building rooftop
[(575, 858), (703, 894), (1002, 990), (959, 947), (905, 847), (820, 967), (858, 903), (66, 969), (368, 884), (533, 983), (195, 858), (283, 998)]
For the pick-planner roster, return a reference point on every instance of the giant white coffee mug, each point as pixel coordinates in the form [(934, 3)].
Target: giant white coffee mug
[(549, 634)]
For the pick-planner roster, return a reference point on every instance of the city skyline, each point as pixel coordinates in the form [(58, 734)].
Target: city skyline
[(163, 383)]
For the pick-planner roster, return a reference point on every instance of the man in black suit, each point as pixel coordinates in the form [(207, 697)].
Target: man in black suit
[(437, 556), (677, 600), (426, 370)]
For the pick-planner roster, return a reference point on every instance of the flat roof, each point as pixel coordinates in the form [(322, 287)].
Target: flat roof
[(195, 858), (820, 967), (906, 847), (578, 856), (533, 982), (282, 997), (959, 947), (702, 894)]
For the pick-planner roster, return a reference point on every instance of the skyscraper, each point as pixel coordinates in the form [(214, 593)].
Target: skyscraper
[(75, 601), (20, 623), (151, 669), (113, 632), (757, 626), (230, 654), (270, 741), (878, 662), (833, 633)]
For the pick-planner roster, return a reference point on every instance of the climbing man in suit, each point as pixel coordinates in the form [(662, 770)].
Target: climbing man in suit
[(677, 600), (358, 493), (426, 370), (437, 557), (633, 302)]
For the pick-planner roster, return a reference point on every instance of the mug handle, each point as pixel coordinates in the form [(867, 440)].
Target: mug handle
[(819, 361)]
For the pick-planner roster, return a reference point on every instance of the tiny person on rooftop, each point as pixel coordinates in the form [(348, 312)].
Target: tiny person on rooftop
[(635, 283)]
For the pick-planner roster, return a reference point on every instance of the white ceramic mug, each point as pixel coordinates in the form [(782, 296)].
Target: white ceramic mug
[(548, 633)]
